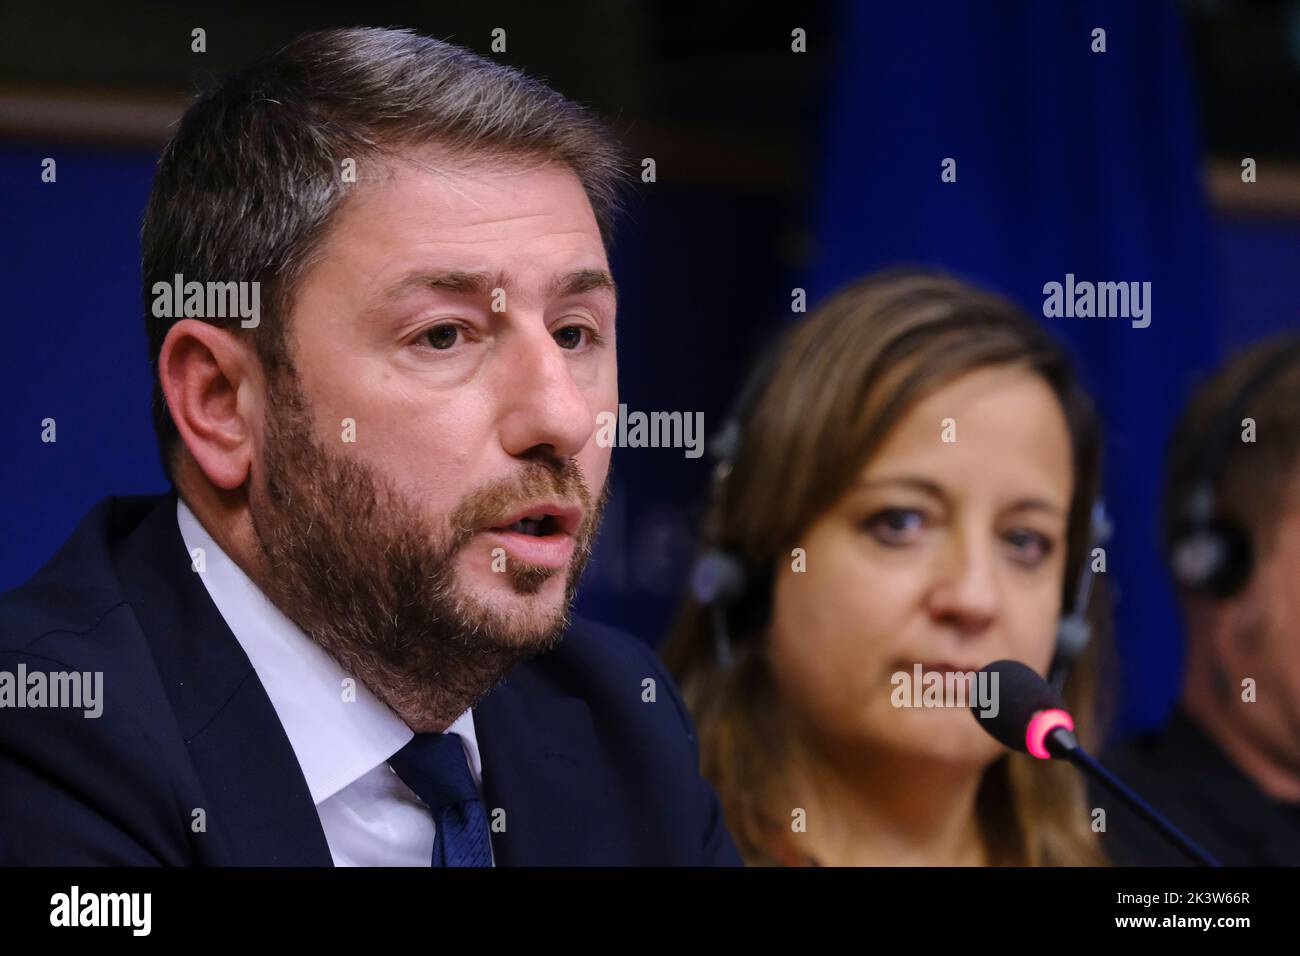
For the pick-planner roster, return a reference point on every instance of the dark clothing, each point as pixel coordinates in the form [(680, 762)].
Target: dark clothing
[(1184, 776), (586, 770)]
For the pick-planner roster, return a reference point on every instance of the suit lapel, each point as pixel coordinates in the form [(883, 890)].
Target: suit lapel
[(260, 811), (540, 766)]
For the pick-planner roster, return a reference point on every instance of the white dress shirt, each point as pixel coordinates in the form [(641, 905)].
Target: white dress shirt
[(342, 740)]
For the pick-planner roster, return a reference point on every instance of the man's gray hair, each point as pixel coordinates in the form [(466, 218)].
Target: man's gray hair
[(248, 186)]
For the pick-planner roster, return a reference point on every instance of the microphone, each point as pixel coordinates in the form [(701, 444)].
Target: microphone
[(1032, 718)]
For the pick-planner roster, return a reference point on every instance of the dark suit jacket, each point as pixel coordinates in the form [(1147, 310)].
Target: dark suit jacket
[(586, 771), (1185, 776)]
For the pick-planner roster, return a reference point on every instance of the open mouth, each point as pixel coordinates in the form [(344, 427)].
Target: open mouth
[(542, 534), (541, 519), (539, 526)]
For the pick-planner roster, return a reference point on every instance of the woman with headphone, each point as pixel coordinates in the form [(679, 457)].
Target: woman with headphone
[(907, 488)]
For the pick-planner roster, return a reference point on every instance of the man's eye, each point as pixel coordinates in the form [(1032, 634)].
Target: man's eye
[(442, 337), (570, 337), (895, 526)]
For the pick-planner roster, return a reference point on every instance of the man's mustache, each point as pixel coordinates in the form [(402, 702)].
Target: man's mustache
[(562, 484)]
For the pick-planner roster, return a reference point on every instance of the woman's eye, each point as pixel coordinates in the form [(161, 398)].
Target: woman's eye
[(896, 526), (441, 337), (1029, 547)]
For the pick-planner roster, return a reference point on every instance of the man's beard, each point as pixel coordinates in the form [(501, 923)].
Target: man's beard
[(358, 567)]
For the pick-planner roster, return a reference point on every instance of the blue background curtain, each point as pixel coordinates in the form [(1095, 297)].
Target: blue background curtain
[(1068, 161)]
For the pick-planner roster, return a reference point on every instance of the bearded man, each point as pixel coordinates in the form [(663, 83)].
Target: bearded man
[(344, 637)]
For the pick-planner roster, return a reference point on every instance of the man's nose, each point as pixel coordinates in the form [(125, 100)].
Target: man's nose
[(543, 408)]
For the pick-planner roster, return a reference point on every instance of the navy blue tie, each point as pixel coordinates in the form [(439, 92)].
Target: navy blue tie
[(435, 767)]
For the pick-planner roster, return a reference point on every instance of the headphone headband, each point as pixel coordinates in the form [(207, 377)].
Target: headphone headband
[(1224, 425), (1209, 553)]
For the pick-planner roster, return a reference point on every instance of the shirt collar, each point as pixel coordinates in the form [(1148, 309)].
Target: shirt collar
[(338, 729)]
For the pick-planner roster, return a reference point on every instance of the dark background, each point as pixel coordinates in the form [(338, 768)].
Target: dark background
[(775, 170)]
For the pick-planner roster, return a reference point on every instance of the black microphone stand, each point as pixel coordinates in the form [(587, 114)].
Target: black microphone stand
[(1063, 743)]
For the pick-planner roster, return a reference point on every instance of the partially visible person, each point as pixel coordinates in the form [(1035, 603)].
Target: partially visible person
[(1225, 768), (912, 482)]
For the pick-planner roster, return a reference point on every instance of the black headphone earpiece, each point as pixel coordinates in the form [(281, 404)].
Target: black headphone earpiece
[(1209, 553), (1213, 557), (720, 579), (717, 577)]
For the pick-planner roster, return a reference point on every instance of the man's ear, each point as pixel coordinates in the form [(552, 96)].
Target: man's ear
[(213, 386)]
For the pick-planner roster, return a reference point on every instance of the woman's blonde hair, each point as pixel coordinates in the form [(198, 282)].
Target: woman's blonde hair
[(836, 385)]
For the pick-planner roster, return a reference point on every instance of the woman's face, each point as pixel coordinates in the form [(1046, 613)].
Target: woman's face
[(950, 554)]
